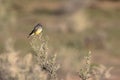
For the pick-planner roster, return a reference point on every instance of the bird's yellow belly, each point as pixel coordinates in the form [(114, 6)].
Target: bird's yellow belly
[(38, 31)]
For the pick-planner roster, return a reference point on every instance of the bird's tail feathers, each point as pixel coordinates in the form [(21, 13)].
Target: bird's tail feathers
[(30, 35)]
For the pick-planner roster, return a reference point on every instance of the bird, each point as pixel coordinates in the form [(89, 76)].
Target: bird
[(36, 30)]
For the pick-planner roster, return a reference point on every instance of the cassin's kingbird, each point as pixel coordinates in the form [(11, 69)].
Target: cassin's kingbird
[(36, 31)]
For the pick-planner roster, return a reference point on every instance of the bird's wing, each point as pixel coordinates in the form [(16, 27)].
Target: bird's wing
[(34, 30), (31, 32)]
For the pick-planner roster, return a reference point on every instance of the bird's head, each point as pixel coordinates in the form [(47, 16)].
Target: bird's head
[(39, 24)]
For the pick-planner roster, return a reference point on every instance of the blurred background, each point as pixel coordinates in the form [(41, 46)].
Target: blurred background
[(73, 28)]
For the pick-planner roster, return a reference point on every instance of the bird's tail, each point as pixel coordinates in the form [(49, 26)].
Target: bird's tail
[(31, 34)]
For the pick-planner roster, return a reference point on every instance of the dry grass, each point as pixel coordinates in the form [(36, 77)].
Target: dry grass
[(46, 63), (36, 66), (41, 66), (90, 71)]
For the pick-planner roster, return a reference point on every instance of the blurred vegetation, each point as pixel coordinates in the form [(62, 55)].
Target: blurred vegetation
[(73, 27)]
